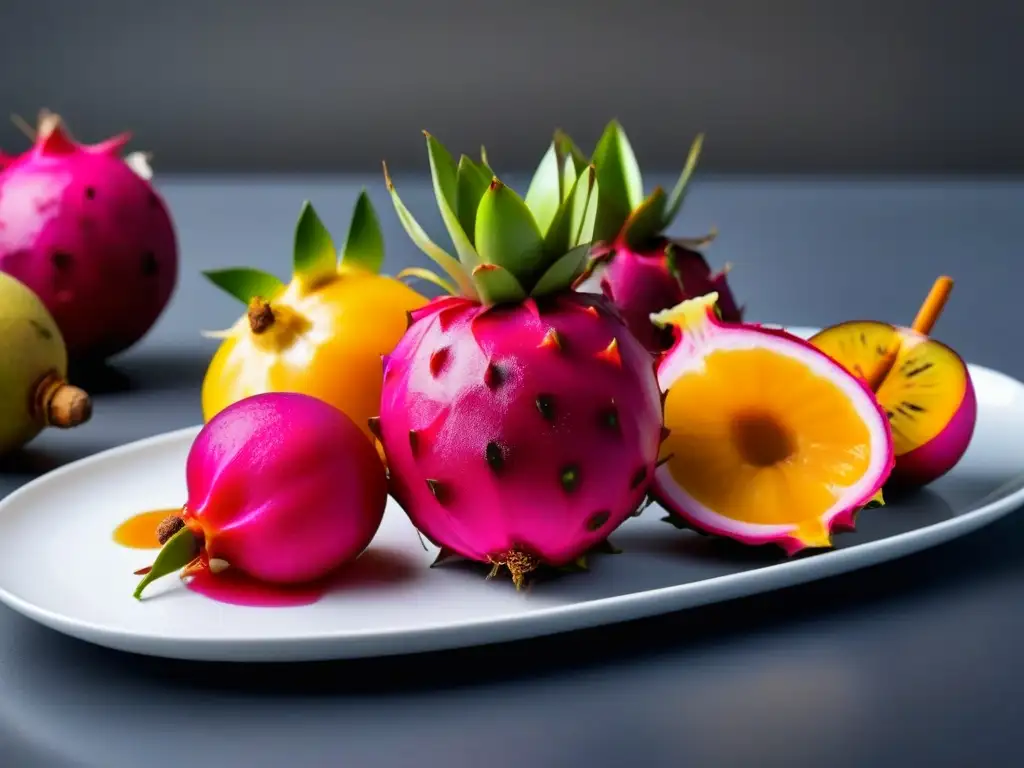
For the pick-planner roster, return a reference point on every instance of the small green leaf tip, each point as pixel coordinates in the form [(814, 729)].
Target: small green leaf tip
[(444, 174), (544, 195), (507, 234), (675, 200), (645, 222), (178, 551), (315, 256), (364, 246), (472, 182), (618, 175), (244, 283), (496, 285), (446, 262), (568, 149)]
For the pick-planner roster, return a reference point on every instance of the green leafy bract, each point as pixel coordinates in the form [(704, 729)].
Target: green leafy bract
[(245, 283), (675, 200), (315, 256), (509, 246), (364, 246), (621, 183)]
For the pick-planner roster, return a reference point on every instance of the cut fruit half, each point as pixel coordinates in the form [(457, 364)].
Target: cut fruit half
[(770, 440), (924, 387)]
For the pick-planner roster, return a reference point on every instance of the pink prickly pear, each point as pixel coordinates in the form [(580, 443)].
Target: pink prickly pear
[(281, 486), (641, 270), (521, 420), (83, 227)]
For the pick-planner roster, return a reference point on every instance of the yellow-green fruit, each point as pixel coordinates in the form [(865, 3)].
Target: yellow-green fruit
[(34, 393)]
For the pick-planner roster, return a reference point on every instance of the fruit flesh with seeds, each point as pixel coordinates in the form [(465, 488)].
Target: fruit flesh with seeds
[(34, 392), (520, 419), (323, 333), (84, 228), (638, 266), (282, 487), (924, 386), (770, 440)]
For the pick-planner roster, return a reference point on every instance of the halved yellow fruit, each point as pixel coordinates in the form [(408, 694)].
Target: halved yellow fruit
[(770, 440)]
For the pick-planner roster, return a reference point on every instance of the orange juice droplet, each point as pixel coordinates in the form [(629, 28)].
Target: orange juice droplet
[(139, 531)]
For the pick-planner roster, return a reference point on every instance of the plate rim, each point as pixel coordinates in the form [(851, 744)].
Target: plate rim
[(549, 620)]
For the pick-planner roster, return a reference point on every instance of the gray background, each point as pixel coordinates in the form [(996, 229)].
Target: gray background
[(786, 86)]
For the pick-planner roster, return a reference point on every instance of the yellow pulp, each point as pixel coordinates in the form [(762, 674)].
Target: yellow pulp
[(758, 437), (922, 391), (326, 342)]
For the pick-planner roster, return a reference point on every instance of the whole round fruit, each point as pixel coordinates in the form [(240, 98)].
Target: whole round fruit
[(83, 227), (324, 333), (34, 393), (282, 487)]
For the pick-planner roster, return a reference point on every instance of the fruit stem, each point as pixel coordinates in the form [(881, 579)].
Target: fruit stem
[(261, 316), (59, 404), (923, 323), (177, 552)]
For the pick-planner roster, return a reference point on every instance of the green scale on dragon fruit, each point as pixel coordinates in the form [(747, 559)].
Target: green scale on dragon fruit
[(640, 269), (82, 226), (520, 419)]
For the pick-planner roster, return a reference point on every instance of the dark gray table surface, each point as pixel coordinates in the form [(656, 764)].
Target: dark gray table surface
[(916, 662)]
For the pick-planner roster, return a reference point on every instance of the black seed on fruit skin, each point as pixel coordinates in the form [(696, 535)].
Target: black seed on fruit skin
[(414, 441), (914, 407), (597, 519), (61, 259), (374, 424), (610, 417), (881, 351), (570, 477), (149, 264), (493, 377), (919, 369), (546, 407), (904, 413), (437, 489), (638, 478), (863, 338), (495, 456), (90, 193)]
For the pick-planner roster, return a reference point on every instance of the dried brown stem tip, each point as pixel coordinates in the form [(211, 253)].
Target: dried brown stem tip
[(169, 526), (261, 316), (59, 404)]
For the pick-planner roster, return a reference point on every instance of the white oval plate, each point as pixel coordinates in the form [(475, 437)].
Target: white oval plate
[(60, 566)]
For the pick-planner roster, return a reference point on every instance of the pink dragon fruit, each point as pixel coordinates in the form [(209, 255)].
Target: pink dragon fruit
[(282, 487), (83, 227), (642, 270), (520, 419)]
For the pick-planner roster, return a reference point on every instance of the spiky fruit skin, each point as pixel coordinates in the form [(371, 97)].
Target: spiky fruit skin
[(504, 438), (639, 283), (92, 238), (284, 487)]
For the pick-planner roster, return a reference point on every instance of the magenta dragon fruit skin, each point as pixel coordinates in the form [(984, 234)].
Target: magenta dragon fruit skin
[(641, 270), (281, 486), (523, 434), (640, 283), (90, 236)]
